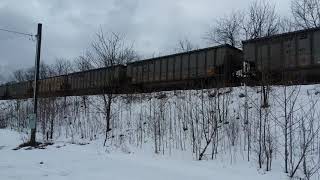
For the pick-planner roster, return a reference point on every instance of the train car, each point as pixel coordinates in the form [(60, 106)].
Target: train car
[(293, 56), (187, 69), (90, 82), (3, 91), (19, 90), (52, 86), (96, 81), (16, 90)]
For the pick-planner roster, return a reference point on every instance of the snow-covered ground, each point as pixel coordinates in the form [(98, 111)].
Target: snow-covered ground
[(70, 161), (165, 125)]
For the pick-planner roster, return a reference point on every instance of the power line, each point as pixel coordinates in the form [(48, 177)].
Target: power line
[(16, 32)]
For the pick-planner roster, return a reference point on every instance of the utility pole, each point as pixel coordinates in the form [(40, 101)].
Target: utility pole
[(35, 85)]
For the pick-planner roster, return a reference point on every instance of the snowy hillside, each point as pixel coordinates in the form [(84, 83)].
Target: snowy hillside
[(69, 161), (171, 135)]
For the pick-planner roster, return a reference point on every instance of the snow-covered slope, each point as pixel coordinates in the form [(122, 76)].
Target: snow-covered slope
[(167, 133), (69, 161)]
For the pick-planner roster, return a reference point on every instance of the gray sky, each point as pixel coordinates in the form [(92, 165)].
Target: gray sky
[(154, 26)]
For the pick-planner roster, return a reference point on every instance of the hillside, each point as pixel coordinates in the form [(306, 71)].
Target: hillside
[(179, 135)]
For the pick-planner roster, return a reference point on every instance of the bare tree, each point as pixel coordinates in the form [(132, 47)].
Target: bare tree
[(109, 51), (259, 20), (185, 45), (226, 30), (84, 63), (305, 155), (306, 13), (62, 66), (262, 20), (112, 50), (286, 25)]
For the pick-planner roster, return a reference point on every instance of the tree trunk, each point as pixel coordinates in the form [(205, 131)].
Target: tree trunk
[(107, 103)]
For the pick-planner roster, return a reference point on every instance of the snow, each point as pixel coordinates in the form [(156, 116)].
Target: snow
[(64, 160), (68, 160)]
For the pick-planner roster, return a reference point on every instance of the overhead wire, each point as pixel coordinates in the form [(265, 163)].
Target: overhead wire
[(20, 33)]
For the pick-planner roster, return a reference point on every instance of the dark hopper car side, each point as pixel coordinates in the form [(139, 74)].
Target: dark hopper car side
[(220, 62), (94, 81), (3, 89), (16, 90), (90, 82), (292, 56)]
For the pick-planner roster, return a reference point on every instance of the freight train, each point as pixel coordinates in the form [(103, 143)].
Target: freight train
[(293, 56)]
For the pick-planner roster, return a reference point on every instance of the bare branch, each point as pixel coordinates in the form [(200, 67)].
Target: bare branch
[(306, 13), (226, 30), (261, 21)]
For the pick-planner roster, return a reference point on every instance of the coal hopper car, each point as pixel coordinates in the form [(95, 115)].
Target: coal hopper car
[(288, 57), (202, 68)]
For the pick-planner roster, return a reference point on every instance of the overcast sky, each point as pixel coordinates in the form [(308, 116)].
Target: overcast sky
[(154, 26)]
